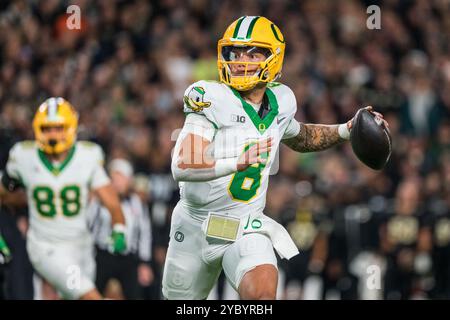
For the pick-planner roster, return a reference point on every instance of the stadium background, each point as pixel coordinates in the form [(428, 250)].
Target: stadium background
[(126, 71)]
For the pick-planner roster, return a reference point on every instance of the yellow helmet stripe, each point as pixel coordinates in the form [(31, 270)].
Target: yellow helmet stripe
[(244, 27)]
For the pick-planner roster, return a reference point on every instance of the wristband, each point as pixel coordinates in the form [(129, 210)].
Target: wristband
[(119, 227), (343, 131), (225, 166)]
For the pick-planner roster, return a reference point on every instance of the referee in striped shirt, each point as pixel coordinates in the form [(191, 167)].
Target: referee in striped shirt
[(132, 268)]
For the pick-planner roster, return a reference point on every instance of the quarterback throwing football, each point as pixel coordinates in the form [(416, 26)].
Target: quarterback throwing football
[(222, 159), (58, 174)]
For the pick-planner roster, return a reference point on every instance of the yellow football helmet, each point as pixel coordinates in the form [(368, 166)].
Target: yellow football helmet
[(257, 32), (55, 112)]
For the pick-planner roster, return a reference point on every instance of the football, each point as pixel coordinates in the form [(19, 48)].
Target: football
[(371, 140)]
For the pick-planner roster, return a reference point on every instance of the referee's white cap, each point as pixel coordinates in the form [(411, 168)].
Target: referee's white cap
[(122, 166)]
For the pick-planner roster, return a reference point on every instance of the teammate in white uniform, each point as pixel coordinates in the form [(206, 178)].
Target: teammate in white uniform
[(223, 157), (58, 173)]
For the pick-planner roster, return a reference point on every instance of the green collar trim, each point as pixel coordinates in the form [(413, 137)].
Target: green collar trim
[(261, 124), (56, 170)]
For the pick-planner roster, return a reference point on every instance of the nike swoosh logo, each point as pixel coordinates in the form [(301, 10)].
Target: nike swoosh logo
[(279, 120)]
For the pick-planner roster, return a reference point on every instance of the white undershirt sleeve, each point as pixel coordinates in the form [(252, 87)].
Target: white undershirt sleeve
[(292, 130)]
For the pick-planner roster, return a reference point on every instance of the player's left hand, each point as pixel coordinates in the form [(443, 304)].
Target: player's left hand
[(377, 114), (119, 244), (5, 253)]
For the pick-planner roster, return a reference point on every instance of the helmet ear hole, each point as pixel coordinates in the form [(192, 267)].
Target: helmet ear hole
[(277, 76)]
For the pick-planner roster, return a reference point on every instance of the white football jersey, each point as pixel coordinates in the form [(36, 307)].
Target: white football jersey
[(57, 195), (237, 125)]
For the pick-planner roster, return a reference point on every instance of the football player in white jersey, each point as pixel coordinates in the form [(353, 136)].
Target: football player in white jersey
[(222, 159), (58, 173)]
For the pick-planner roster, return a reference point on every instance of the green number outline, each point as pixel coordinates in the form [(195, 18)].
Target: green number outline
[(66, 202), (62, 197), (50, 201), (251, 172)]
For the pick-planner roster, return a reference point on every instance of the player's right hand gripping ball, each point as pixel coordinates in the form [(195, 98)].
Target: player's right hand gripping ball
[(118, 239), (371, 140)]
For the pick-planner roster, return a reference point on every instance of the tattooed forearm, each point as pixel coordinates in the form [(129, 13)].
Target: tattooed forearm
[(314, 137)]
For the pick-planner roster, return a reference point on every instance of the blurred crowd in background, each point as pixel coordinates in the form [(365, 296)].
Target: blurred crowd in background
[(126, 70)]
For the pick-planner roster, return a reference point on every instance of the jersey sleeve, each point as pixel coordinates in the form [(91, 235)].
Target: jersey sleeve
[(99, 178), (13, 164), (194, 124), (199, 99), (293, 127), (292, 130), (12, 177), (198, 125)]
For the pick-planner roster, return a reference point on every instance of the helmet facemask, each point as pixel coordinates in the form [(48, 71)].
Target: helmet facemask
[(57, 141), (242, 67)]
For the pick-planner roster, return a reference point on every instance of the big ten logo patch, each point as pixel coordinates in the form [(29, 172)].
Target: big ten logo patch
[(237, 118)]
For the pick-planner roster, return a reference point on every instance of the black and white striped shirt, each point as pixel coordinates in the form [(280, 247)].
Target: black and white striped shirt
[(138, 226)]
